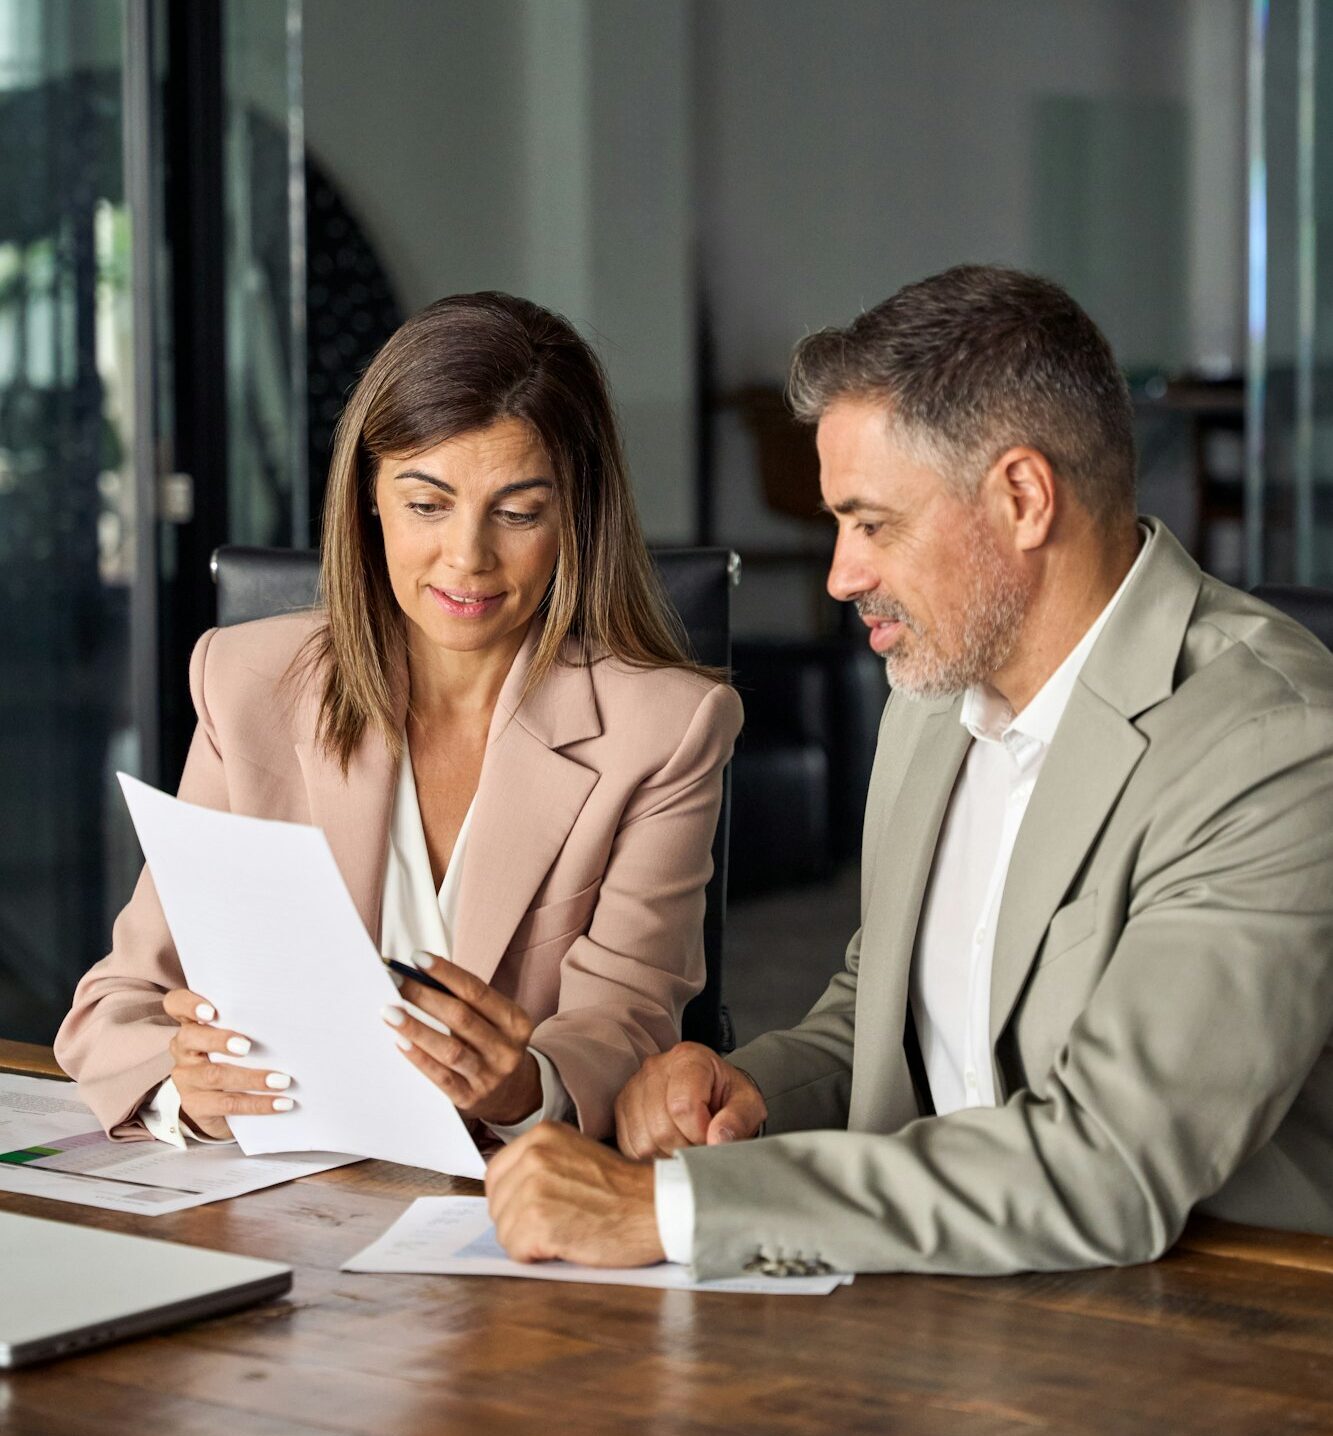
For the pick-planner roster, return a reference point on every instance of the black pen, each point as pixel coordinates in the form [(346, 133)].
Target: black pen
[(416, 975)]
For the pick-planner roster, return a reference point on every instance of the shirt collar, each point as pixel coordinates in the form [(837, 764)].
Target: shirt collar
[(988, 716)]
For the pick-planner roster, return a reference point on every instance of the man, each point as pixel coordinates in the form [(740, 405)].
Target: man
[(1093, 986)]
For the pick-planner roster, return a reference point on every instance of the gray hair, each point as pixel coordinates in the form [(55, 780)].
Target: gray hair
[(974, 361)]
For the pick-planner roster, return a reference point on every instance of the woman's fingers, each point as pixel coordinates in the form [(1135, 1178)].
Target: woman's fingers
[(495, 1008), (192, 1039), (213, 1091), (451, 1052), (464, 1024), (453, 1084), (482, 1062), (499, 1046), (186, 1006), (228, 1077), (210, 1105)]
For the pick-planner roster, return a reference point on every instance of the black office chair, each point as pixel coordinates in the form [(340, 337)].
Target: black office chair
[(259, 582), (1312, 608)]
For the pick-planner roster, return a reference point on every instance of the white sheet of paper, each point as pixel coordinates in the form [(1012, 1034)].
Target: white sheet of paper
[(454, 1236), (267, 931), (52, 1146)]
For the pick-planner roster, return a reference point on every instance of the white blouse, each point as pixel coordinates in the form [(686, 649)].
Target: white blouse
[(414, 916)]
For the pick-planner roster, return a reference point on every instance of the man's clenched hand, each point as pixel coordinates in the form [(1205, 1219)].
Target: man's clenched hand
[(687, 1097)]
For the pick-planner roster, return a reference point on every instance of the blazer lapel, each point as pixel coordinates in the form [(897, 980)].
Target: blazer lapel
[(1096, 748), (888, 938), (354, 814), (1094, 752), (528, 799)]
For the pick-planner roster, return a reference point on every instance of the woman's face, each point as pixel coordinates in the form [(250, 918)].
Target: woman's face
[(471, 534)]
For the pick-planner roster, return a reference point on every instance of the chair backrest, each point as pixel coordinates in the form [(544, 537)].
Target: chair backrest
[(1312, 608), (259, 582)]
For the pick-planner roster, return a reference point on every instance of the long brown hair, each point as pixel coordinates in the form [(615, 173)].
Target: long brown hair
[(462, 364)]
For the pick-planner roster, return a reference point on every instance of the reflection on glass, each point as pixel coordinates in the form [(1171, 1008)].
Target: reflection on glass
[(66, 501), (1290, 457), (265, 209)]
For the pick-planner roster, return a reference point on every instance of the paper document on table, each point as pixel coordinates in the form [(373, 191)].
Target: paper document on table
[(454, 1236), (51, 1146), (267, 931)]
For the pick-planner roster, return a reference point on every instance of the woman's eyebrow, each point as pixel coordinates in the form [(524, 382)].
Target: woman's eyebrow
[(518, 487), (425, 479), (522, 486)]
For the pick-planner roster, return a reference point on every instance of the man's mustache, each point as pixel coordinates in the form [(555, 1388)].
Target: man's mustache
[(872, 607)]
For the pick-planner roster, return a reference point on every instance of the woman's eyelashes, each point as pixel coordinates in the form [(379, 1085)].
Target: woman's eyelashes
[(513, 518)]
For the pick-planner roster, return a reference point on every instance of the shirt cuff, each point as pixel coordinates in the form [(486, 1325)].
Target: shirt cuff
[(555, 1107), (161, 1114), (673, 1200)]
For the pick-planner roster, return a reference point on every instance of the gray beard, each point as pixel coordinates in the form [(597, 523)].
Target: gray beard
[(977, 643)]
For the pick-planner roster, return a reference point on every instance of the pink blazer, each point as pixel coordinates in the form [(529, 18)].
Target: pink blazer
[(582, 894)]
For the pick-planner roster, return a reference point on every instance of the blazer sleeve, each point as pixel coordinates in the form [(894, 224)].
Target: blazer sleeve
[(1209, 1018), (805, 1073), (114, 1040), (624, 984)]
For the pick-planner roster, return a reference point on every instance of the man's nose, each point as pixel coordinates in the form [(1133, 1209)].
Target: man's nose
[(849, 575)]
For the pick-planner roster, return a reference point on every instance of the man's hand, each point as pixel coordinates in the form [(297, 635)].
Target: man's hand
[(556, 1194), (687, 1097)]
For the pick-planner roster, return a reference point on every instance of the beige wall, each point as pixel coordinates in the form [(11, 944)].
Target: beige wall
[(537, 146), (807, 156)]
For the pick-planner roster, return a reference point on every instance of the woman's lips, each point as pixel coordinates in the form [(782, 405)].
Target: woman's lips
[(460, 604)]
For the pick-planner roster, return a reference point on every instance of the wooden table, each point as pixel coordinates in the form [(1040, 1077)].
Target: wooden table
[(1231, 1332)]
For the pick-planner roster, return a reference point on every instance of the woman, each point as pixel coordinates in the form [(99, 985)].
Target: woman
[(492, 720)]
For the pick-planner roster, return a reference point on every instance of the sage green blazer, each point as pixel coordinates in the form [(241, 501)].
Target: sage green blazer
[(1162, 994)]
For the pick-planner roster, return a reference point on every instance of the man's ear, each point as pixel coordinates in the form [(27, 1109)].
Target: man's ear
[(1020, 486)]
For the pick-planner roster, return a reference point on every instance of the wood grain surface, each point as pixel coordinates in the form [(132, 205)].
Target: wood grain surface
[(1231, 1332), (28, 1057)]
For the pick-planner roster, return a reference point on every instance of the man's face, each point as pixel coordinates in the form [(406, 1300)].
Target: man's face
[(929, 572)]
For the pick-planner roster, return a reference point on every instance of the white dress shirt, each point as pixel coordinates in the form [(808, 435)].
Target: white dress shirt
[(414, 917), (951, 968)]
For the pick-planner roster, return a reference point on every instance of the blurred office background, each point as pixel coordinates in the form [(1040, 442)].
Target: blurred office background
[(213, 211)]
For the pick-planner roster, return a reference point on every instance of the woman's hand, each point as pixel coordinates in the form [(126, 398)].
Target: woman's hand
[(210, 1092), (483, 1066)]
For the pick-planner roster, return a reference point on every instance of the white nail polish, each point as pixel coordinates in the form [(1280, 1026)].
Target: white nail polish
[(238, 1045), (277, 1080), (283, 1104), (423, 960), (394, 1016), (397, 978), (403, 1043), (205, 1012)]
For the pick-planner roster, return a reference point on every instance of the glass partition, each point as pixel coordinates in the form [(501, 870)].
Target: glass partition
[(68, 550), (1289, 455), (104, 534), (264, 199)]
